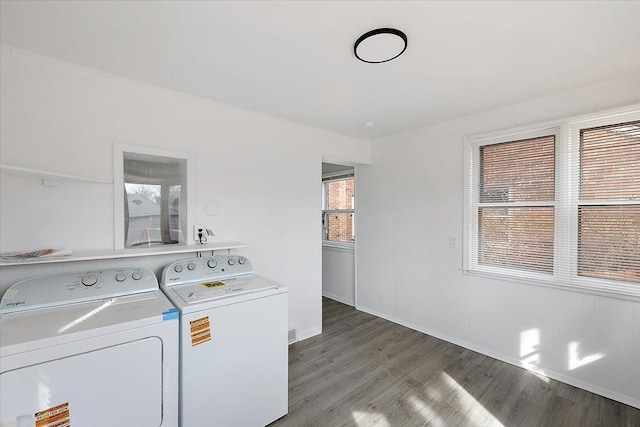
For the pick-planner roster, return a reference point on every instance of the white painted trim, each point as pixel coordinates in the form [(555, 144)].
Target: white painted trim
[(627, 400), (564, 276), (344, 246), (308, 334), (118, 185), (338, 298)]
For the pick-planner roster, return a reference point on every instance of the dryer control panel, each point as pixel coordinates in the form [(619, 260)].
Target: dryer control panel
[(70, 288), (205, 268)]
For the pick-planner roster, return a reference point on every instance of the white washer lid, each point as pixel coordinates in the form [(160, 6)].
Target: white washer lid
[(54, 325), (199, 292)]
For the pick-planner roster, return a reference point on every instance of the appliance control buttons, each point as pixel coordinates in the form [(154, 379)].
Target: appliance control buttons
[(177, 268), (231, 261), (191, 266), (212, 263), (137, 275), (120, 276), (242, 260), (89, 279)]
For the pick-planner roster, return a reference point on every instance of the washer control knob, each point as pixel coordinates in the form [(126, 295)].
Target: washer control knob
[(242, 260), (231, 261), (191, 266), (89, 279), (120, 276), (212, 263), (177, 268), (137, 275)]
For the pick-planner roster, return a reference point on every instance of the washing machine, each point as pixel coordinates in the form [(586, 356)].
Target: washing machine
[(233, 342), (95, 348)]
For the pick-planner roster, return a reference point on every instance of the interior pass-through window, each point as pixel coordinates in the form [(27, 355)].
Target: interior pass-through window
[(154, 199)]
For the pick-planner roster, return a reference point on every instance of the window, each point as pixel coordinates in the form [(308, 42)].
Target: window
[(516, 204), (609, 203), (559, 205), (338, 201), (153, 194), (154, 187)]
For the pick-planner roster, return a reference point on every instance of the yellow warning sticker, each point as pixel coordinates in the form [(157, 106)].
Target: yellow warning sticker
[(200, 331), (214, 284), (58, 416)]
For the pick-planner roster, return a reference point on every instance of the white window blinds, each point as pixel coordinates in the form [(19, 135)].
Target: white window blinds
[(516, 204), (608, 241), (559, 205)]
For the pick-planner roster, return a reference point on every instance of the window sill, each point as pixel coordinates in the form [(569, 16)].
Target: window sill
[(128, 253), (604, 291), (338, 245)]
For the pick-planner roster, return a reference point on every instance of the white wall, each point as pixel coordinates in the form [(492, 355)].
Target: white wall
[(262, 173), (411, 199), (338, 274)]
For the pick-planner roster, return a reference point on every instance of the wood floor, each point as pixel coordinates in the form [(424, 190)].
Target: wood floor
[(365, 371)]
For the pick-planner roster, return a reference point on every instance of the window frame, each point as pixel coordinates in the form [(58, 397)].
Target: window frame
[(339, 176), (119, 151), (574, 129), (472, 196), (567, 158)]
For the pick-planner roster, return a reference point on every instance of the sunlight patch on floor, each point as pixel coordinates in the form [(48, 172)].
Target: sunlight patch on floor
[(469, 406), (367, 419), (426, 412)]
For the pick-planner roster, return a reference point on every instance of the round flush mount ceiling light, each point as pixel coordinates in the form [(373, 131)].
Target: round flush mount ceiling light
[(380, 45)]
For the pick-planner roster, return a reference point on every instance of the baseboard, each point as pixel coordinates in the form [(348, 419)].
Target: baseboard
[(337, 298), (627, 400), (303, 335)]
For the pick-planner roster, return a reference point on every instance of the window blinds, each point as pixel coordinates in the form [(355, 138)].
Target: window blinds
[(558, 205), (608, 241), (516, 204)]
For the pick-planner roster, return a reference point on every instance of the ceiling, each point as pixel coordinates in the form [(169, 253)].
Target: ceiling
[(294, 59)]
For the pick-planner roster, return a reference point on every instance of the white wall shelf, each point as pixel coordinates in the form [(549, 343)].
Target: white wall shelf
[(128, 253), (48, 176)]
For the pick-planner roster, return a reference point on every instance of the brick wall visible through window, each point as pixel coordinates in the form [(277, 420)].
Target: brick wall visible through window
[(338, 212), (609, 207), (558, 205)]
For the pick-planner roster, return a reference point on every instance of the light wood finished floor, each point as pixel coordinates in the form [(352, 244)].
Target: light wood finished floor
[(365, 371)]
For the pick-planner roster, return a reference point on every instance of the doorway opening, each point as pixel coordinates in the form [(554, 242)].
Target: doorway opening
[(338, 232)]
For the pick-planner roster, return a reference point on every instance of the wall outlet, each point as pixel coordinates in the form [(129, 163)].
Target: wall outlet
[(200, 234), (453, 242)]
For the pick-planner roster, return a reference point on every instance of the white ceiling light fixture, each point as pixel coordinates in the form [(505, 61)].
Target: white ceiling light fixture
[(380, 45)]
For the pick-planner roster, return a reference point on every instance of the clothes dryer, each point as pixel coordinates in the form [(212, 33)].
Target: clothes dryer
[(97, 348), (233, 342)]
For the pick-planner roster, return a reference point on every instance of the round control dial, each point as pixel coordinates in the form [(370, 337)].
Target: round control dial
[(212, 263), (231, 261), (89, 279), (178, 268), (242, 260), (120, 276), (191, 266), (137, 275)]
